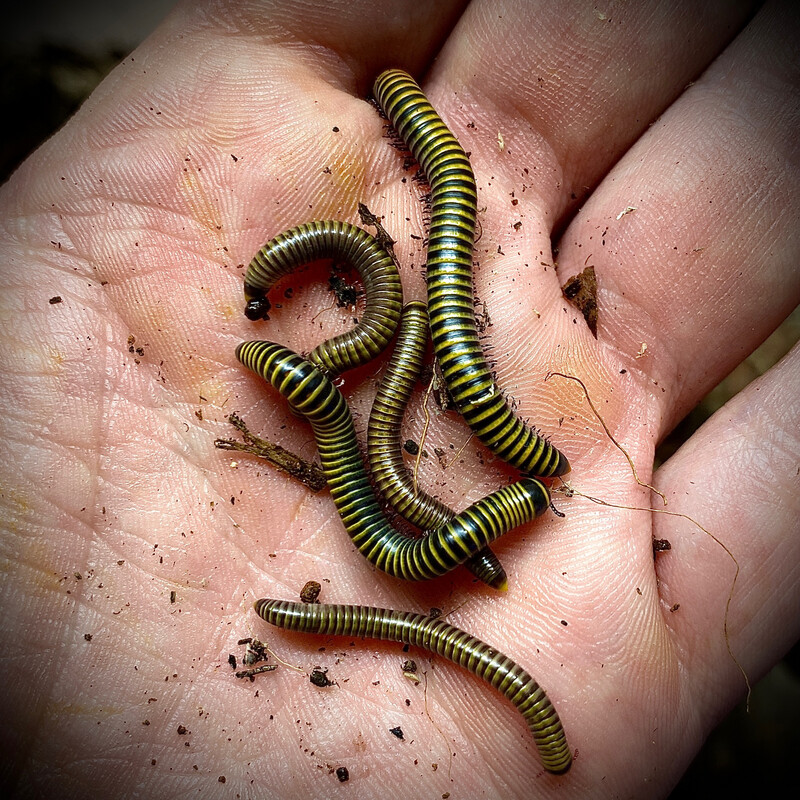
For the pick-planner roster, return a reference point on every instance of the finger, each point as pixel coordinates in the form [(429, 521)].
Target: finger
[(694, 235), (739, 476), (572, 87)]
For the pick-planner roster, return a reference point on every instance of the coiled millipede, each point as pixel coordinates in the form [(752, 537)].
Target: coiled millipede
[(344, 242)]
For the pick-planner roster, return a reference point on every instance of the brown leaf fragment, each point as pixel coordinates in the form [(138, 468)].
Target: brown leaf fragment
[(581, 291)]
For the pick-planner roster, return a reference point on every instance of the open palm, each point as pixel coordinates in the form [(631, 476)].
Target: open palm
[(134, 549)]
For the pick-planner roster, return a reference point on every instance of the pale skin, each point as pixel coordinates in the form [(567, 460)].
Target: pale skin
[(217, 134)]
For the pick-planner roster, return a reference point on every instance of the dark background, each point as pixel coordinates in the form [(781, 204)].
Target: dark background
[(52, 55)]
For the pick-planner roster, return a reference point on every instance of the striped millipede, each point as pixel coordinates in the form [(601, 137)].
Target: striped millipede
[(317, 240), (312, 394), (383, 441), (449, 278), (436, 636)]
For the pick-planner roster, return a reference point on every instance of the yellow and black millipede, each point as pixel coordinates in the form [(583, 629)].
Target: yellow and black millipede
[(449, 279), (343, 242), (389, 472), (313, 395), (436, 636)]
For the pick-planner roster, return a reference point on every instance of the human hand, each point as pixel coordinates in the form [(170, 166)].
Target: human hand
[(233, 123)]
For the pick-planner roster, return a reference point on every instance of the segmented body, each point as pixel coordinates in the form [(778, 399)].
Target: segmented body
[(436, 636), (313, 395), (449, 278), (342, 242), (384, 448)]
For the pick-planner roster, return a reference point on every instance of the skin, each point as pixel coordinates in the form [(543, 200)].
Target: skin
[(218, 133)]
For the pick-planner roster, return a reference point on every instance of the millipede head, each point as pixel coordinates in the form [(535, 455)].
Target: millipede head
[(257, 308)]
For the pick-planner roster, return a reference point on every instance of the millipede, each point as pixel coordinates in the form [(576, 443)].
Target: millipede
[(313, 396), (439, 637), (341, 241), (451, 305), (389, 472)]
